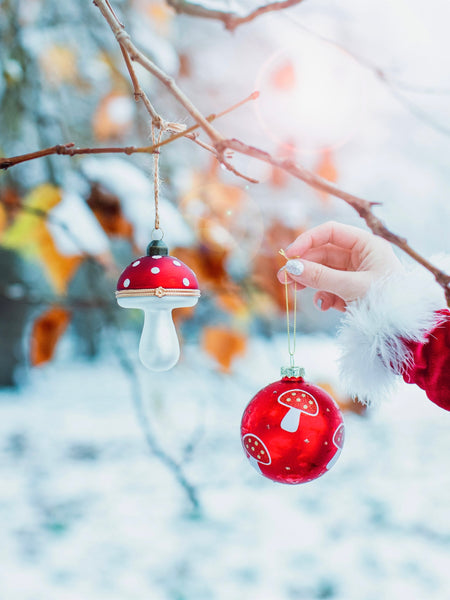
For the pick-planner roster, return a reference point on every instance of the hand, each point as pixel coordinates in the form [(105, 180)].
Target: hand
[(340, 261)]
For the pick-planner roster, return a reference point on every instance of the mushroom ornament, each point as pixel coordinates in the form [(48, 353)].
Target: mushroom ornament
[(292, 431), (158, 283)]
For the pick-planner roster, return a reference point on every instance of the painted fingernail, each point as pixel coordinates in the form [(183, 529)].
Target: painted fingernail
[(294, 267)]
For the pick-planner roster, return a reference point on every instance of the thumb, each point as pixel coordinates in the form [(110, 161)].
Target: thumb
[(319, 277)]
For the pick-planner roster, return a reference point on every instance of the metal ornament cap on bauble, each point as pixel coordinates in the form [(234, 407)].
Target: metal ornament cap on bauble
[(292, 431), (158, 283)]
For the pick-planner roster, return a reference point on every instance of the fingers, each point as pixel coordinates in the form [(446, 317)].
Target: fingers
[(324, 301), (343, 236), (347, 285), (330, 256), (284, 277)]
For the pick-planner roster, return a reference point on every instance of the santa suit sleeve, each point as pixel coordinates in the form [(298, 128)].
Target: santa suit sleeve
[(400, 328), (429, 367)]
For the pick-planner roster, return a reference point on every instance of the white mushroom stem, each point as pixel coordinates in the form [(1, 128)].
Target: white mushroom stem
[(254, 463), (159, 348), (291, 420), (333, 461)]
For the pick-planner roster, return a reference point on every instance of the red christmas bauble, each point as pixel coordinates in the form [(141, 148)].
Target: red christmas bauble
[(292, 431)]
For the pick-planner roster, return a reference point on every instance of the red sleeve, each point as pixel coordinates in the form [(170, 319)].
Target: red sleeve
[(430, 368)]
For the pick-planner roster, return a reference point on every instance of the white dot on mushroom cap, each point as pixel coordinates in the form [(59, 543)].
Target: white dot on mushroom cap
[(136, 263), (186, 281), (155, 270), (177, 263), (157, 256), (126, 283)]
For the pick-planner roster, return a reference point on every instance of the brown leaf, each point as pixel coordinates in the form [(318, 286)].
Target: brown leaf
[(106, 207), (232, 302), (224, 345), (209, 266), (346, 404), (47, 331), (10, 206), (59, 267)]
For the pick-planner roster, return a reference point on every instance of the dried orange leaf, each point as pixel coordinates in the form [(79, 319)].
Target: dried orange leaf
[(107, 208), (224, 345), (47, 331), (346, 404)]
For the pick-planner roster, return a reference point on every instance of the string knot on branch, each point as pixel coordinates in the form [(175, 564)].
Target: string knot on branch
[(122, 36)]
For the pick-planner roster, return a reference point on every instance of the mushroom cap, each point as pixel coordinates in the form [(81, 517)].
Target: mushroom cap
[(301, 400), (157, 272), (339, 436), (256, 448)]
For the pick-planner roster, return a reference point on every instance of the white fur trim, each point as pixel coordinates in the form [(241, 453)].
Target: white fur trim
[(399, 307)]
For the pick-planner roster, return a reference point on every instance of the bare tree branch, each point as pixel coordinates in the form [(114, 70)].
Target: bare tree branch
[(229, 19), (362, 207), (136, 55), (221, 145), (70, 149)]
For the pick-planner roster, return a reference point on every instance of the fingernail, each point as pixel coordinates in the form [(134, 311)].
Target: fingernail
[(294, 267), (319, 303)]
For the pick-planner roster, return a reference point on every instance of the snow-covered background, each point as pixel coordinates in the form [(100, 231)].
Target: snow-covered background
[(86, 510)]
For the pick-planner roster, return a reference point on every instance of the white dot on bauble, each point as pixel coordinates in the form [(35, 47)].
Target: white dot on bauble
[(136, 263), (186, 281), (177, 263), (126, 283), (157, 256), (155, 270)]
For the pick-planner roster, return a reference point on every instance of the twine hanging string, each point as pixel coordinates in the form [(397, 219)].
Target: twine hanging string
[(291, 340), (156, 139)]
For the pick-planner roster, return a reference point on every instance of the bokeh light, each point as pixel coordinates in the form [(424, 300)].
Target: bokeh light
[(309, 105)]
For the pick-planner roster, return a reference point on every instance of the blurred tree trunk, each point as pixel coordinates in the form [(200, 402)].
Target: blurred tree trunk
[(14, 314)]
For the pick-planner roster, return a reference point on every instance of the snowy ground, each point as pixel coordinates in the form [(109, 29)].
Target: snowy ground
[(86, 512)]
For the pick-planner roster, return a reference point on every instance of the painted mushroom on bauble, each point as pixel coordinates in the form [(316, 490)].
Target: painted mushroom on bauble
[(158, 283), (257, 451), (298, 401)]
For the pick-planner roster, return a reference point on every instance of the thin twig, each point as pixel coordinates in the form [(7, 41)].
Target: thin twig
[(229, 19), (142, 417), (394, 87), (136, 55), (70, 149)]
